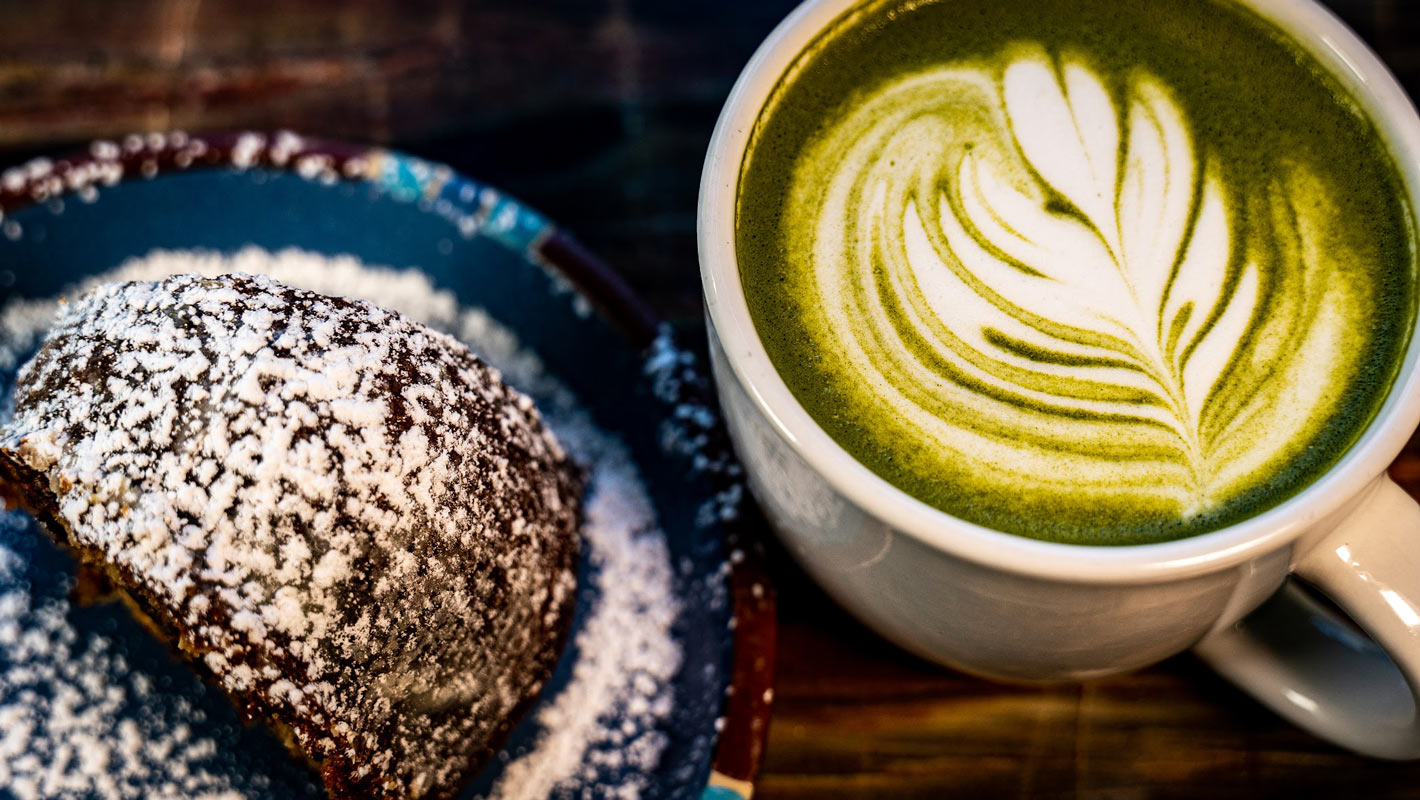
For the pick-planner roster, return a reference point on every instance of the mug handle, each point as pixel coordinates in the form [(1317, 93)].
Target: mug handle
[(1316, 669)]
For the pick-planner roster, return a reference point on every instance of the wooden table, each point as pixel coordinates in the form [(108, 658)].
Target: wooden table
[(598, 112)]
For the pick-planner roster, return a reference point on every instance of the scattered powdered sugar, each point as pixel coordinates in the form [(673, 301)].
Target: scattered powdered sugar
[(78, 720), (693, 425), (597, 736), (61, 695), (603, 725)]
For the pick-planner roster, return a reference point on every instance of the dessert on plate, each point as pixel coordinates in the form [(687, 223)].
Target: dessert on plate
[(345, 517)]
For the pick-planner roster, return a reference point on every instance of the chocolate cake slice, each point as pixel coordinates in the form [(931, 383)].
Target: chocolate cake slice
[(345, 517)]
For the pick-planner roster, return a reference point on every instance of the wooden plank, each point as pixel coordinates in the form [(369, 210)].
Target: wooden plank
[(861, 719)]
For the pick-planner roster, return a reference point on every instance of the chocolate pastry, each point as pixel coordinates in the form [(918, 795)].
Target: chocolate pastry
[(346, 518)]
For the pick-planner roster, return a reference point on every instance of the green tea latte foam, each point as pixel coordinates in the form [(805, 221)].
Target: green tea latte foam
[(1088, 271)]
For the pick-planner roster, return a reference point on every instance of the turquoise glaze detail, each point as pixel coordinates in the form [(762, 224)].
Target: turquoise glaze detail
[(407, 178), (473, 207), (514, 225)]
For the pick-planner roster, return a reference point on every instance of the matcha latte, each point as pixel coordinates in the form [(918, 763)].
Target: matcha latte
[(1093, 271)]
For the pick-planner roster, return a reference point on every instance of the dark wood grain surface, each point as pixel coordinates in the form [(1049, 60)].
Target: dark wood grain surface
[(598, 112)]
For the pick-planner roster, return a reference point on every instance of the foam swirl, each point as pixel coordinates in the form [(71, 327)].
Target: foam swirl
[(1039, 270)]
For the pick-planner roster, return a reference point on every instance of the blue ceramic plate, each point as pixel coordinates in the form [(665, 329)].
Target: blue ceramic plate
[(65, 220)]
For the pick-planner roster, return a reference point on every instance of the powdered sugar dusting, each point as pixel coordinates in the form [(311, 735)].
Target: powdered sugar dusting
[(357, 527), (601, 731), (63, 696)]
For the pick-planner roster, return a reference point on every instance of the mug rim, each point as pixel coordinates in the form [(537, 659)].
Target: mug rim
[(1322, 36)]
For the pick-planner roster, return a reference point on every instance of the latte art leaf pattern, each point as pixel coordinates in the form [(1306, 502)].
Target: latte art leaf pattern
[(1137, 242), (1040, 269)]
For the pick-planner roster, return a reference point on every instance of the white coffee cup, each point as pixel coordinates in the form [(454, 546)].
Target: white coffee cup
[(1014, 608)]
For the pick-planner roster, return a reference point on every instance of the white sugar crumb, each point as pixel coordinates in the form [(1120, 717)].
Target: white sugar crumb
[(688, 429), (605, 721), (61, 697), (604, 730)]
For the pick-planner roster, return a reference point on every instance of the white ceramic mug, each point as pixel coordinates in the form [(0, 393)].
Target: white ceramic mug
[(1014, 608)]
